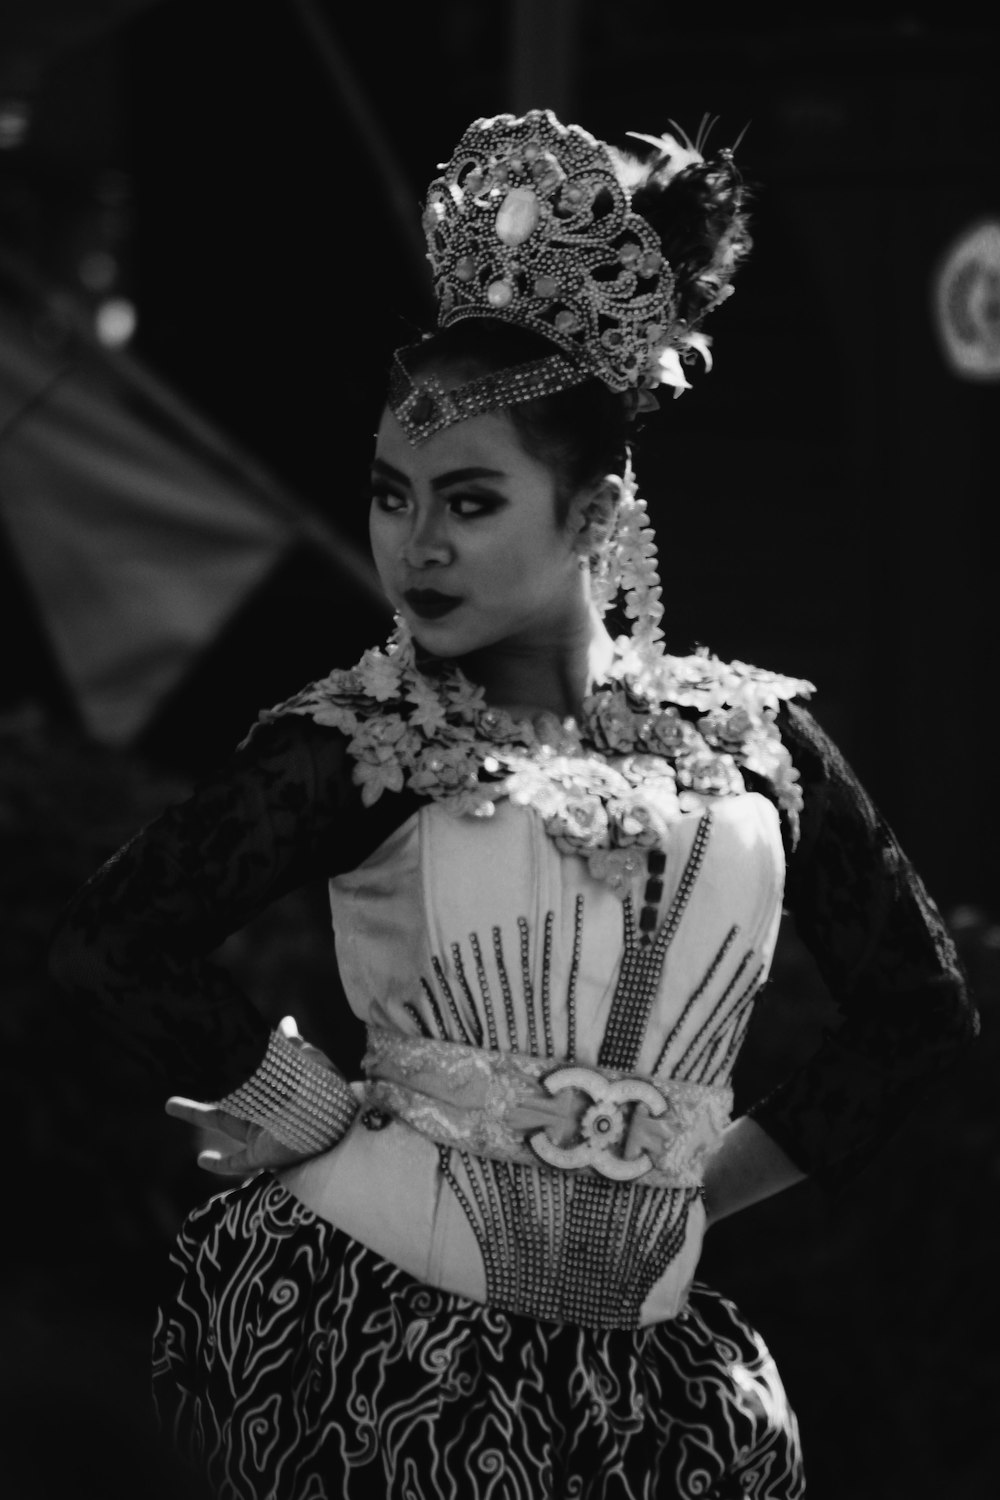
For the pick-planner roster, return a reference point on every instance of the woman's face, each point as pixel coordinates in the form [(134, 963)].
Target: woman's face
[(466, 541)]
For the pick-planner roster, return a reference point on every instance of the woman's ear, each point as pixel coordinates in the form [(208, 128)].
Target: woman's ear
[(592, 513)]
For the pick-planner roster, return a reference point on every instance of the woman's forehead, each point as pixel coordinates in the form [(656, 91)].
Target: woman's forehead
[(488, 440)]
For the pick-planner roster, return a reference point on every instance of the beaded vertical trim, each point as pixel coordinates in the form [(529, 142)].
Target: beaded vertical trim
[(524, 935), (417, 1019), (642, 965), (505, 989), (574, 970), (696, 995), (741, 1020), (556, 1245), (442, 979), (565, 1248), (717, 1041), (300, 1102), (475, 1016), (546, 997), (477, 1025), (431, 999), (484, 988)]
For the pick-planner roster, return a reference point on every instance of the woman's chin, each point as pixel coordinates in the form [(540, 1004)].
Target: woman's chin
[(442, 637)]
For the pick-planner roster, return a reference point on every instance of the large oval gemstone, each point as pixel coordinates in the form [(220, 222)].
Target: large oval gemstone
[(518, 216)]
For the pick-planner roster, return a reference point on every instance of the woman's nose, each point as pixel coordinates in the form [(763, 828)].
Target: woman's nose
[(427, 542)]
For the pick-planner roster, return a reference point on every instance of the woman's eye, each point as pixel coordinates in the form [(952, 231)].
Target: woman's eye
[(470, 506), (388, 501)]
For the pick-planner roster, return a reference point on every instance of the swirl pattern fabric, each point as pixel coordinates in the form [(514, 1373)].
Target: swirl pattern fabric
[(294, 1364)]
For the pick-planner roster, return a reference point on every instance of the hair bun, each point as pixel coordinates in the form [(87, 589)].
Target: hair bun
[(697, 206)]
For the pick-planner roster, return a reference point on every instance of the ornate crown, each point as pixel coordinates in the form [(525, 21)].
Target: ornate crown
[(529, 223)]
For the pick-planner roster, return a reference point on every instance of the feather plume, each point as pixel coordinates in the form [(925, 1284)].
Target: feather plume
[(699, 214)]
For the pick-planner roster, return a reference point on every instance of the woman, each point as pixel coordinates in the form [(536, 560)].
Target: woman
[(557, 864)]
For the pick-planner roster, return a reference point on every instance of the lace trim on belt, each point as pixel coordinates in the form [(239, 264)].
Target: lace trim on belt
[(510, 1107)]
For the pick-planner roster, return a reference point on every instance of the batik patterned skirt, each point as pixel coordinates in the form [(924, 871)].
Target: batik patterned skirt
[(294, 1364)]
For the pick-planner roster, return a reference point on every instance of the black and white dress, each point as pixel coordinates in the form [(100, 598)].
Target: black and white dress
[(555, 936)]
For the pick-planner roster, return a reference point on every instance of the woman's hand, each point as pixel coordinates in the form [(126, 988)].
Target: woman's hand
[(239, 1148)]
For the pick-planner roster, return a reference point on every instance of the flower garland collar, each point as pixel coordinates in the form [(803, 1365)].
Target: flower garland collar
[(608, 787)]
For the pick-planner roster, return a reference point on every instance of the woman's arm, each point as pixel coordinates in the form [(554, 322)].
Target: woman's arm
[(135, 945), (884, 952), (746, 1167)]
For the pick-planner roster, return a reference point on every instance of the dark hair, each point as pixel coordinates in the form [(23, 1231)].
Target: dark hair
[(700, 217)]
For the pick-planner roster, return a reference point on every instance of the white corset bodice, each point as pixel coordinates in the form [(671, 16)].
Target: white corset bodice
[(481, 931)]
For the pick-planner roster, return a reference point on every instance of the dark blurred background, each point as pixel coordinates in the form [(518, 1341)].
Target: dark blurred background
[(208, 250)]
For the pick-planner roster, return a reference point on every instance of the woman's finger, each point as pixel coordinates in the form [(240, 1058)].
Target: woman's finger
[(207, 1117), (226, 1163)]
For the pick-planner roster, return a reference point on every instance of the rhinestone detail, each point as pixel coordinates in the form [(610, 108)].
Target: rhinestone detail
[(642, 965), (565, 1248), (302, 1104)]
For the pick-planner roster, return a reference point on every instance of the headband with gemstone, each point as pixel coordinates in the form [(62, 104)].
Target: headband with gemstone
[(423, 404)]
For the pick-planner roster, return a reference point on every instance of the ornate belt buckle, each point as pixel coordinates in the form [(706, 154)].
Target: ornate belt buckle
[(602, 1125)]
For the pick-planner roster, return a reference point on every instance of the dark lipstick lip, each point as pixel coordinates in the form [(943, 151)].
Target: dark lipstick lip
[(429, 604)]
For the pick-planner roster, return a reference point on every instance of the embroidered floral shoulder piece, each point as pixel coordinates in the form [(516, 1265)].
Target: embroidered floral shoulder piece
[(657, 739)]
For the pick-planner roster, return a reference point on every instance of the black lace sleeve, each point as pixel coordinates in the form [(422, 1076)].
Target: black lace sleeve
[(882, 949), (134, 945)]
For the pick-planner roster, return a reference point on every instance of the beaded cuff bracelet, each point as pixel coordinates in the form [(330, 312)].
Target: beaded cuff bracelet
[(302, 1104)]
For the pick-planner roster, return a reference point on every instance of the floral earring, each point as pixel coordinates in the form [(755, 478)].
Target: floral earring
[(628, 562)]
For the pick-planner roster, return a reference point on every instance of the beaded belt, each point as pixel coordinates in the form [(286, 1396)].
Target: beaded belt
[(511, 1107)]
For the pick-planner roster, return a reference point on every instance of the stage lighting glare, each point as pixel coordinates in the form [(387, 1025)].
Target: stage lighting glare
[(15, 118), (115, 322)]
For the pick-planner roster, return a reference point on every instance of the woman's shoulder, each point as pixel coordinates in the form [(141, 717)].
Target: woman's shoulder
[(702, 680), (396, 723), (342, 699)]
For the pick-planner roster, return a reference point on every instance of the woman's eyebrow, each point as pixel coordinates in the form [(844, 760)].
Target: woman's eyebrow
[(460, 476), (382, 470)]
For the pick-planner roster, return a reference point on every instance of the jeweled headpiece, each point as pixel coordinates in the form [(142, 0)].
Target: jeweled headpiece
[(423, 404), (531, 224)]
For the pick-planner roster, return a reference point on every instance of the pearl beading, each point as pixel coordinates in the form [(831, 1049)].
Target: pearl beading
[(717, 1040), (300, 1102), (568, 1246), (484, 987), (642, 964), (505, 989), (574, 970), (529, 992), (477, 1025), (446, 990), (696, 994), (423, 405), (726, 1055), (470, 1027), (564, 1248)]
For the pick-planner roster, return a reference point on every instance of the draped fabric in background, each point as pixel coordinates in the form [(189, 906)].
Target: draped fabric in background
[(136, 541), (135, 549)]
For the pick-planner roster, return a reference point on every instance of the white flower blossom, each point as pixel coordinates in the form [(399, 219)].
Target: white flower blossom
[(336, 716), (377, 777), (617, 868), (580, 822)]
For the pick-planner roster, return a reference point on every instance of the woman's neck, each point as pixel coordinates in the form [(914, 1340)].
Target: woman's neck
[(528, 678)]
